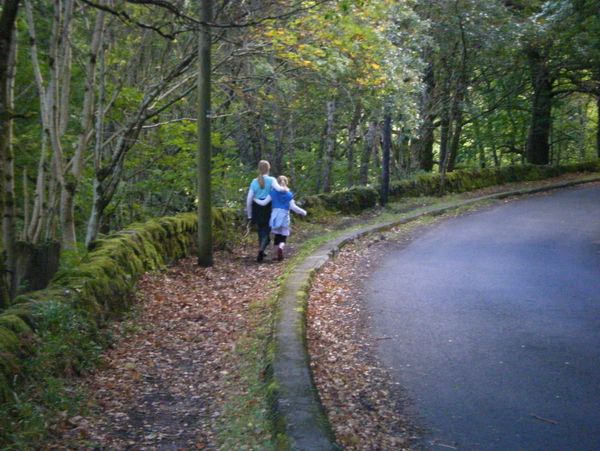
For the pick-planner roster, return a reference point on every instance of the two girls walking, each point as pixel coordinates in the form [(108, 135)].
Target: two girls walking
[(268, 206)]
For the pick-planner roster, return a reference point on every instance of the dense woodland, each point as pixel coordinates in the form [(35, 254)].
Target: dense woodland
[(99, 100)]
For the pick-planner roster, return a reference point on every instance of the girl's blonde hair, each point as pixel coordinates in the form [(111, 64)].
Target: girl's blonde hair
[(263, 169), (283, 180)]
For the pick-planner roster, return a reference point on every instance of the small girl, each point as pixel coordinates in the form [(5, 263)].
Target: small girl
[(282, 203)]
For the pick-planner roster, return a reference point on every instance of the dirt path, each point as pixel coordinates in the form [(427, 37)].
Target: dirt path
[(173, 366)]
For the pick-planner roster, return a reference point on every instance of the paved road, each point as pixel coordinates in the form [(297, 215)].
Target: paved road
[(495, 325)]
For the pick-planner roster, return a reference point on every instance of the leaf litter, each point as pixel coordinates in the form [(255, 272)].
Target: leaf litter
[(366, 408), (173, 366)]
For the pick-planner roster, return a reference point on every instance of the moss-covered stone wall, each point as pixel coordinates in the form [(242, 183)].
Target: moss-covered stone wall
[(467, 180), (99, 286), (356, 199)]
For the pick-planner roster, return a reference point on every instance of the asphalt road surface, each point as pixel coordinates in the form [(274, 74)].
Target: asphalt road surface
[(491, 323)]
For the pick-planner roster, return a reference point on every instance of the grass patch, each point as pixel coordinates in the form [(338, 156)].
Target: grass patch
[(247, 421), (67, 343)]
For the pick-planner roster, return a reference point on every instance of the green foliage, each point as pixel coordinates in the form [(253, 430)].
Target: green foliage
[(352, 200), (68, 340)]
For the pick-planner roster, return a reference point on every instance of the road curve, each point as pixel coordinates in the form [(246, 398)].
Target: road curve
[(492, 325)]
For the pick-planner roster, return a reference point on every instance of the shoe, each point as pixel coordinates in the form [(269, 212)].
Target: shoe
[(260, 257), (279, 254)]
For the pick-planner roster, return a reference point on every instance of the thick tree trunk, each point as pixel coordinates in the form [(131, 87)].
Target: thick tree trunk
[(386, 150), (7, 23), (422, 146), (365, 159), (329, 148), (538, 140), (205, 255)]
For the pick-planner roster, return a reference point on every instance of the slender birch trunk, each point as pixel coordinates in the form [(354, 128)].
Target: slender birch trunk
[(73, 178)]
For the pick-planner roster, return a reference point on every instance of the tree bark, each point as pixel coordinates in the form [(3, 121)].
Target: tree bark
[(386, 150), (7, 47), (422, 147), (9, 224), (50, 95), (73, 178), (205, 256), (352, 137), (455, 142), (365, 159), (445, 123), (329, 148), (538, 140)]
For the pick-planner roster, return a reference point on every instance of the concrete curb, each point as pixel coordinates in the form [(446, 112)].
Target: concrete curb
[(297, 401)]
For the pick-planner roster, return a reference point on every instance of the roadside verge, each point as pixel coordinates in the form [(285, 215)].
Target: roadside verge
[(297, 403)]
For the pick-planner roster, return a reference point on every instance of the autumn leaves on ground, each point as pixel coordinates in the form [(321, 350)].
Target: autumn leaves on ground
[(189, 369), (177, 368)]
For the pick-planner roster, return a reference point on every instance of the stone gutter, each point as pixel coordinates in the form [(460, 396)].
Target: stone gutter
[(298, 406)]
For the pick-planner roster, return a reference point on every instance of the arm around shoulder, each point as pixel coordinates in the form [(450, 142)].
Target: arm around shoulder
[(264, 201), (277, 187)]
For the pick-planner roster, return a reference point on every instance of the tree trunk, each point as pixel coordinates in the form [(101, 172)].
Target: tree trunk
[(422, 147), (50, 99), (7, 36), (386, 150), (368, 143), (352, 129), (445, 124), (277, 166), (455, 142), (72, 179), (205, 256), (329, 148), (538, 140), (401, 161), (9, 226)]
